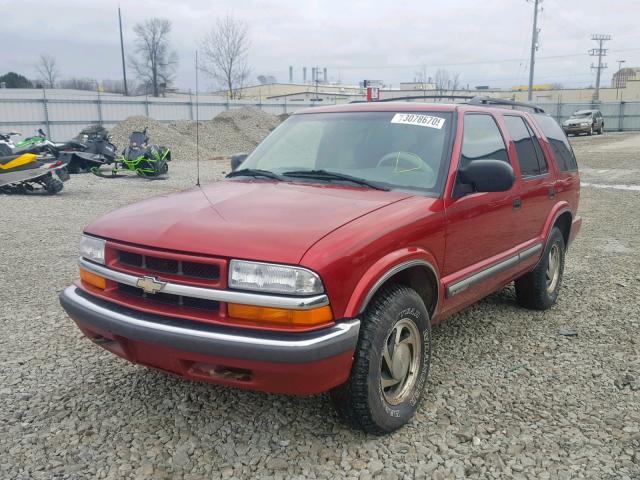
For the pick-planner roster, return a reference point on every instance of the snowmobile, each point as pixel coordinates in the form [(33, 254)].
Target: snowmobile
[(29, 172), (90, 148), (6, 143), (140, 157)]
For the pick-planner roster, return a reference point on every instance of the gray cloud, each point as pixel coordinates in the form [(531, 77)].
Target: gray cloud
[(486, 42)]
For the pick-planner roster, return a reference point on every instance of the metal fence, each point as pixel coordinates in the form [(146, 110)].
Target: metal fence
[(63, 118), (618, 116), (63, 115)]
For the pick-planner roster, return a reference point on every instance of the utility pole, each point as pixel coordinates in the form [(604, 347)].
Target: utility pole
[(619, 77), (534, 46), (599, 52), (124, 68)]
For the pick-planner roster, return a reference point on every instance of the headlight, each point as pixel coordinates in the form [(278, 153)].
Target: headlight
[(92, 249), (268, 277), (584, 124)]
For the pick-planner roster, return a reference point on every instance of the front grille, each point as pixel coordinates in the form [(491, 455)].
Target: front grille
[(169, 298), (170, 266)]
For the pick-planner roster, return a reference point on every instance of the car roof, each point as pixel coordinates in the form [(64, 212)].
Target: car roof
[(403, 107), (584, 111)]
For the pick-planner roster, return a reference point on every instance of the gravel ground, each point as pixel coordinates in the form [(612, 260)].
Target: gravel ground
[(510, 394)]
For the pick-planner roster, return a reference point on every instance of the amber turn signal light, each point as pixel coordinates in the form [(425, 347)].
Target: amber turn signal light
[(93, 279), (280, 316)]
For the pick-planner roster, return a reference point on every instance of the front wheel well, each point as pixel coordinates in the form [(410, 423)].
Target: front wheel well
[(419, 278), (563, 222)]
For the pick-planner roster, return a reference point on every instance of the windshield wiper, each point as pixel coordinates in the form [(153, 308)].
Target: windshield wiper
[(255, 172), (327, 175)]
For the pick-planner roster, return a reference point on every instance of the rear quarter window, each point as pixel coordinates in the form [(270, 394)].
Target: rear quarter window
[(560, 145)]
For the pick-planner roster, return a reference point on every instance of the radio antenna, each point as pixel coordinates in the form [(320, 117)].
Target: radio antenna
[(197, 128)]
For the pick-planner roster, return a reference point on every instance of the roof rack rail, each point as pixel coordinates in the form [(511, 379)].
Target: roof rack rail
[(416, 97), (483, 100)]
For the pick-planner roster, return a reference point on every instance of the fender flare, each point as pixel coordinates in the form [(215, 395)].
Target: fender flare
[(383, 269), (558, 209)]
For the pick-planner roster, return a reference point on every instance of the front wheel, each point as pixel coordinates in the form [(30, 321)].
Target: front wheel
[(538, 289), (390, 365), (52, 185)]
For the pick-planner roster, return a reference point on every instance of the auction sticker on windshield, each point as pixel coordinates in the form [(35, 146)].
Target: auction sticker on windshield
[(419, 120)]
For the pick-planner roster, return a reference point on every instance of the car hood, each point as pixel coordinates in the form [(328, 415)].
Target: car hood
[(260, 220), (577, 121)]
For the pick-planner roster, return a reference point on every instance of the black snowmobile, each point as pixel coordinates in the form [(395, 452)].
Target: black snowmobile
[(89, 149), (29, 172), (140, 157)]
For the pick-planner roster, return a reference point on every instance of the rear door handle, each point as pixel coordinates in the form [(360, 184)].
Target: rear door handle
[(517, 203)]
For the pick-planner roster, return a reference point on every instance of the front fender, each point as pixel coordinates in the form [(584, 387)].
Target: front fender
[(383, 269)]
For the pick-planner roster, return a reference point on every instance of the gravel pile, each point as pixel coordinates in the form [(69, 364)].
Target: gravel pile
[(512, 393), (232, 131)]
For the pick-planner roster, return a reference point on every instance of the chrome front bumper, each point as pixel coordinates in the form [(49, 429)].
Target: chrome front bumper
[(215, 340)]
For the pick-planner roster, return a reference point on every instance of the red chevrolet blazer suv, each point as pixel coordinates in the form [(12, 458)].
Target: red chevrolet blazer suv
[(323, 259)]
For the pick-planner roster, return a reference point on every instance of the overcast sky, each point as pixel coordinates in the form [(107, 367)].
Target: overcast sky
[(486, 42)]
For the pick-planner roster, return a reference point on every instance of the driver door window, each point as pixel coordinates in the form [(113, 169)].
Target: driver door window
[(481, 140)]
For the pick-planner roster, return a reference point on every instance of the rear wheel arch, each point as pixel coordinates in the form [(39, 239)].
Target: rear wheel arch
[(563, 222)]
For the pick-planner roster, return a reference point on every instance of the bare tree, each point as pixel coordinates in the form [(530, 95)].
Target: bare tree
[(446, 81), (225, 50), (48, 71), (423, 80), (79, 83), (155, 62)]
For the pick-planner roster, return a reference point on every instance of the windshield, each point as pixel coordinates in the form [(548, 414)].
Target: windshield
[(398, 150), (137, 138), (581, 115)]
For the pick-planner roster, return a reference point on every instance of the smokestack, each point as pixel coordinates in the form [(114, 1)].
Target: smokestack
[(290, 73), (304, 74), (325, 74), (313, 74)]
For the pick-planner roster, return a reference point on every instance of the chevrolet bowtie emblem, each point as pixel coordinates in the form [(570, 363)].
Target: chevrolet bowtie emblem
[(150, 284)]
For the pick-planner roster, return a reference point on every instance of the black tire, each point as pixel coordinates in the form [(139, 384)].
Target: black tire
[(590, 132), (52, 185), (361, 401), (601, 129), (535, 290)]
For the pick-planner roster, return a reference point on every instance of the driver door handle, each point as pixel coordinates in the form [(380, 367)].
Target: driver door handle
[(517, 203)]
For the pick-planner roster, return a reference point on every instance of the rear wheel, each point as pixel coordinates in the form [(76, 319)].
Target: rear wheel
[(390, 365), (538, 289)]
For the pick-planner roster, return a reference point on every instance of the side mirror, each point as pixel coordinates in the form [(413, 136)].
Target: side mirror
[(237, 159), (487, 176)]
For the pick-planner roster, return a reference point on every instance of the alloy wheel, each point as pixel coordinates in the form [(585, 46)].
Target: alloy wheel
[(400, 364), (553, 268)]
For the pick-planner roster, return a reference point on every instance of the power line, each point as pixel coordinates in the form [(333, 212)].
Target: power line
[(599, 52), (473, 62)]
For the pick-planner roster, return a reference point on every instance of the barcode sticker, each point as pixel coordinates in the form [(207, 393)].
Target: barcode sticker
[(419, 120)]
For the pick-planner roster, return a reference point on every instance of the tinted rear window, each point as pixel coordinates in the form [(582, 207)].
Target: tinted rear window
[(560, 145), (525, 148)]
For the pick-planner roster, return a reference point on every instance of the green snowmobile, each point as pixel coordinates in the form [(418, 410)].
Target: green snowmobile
[(140, 157)]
